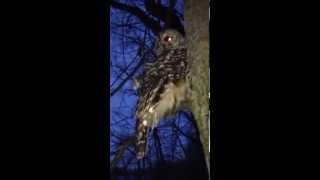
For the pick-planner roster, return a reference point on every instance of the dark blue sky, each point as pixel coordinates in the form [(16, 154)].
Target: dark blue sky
[(122, 106)]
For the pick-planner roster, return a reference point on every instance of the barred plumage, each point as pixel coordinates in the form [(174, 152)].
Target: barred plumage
[(162, 86)]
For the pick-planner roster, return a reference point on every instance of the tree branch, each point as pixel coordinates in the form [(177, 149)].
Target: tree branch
[(115, 90), (165, 14), (153, 25), (197, 31), (120, 151)]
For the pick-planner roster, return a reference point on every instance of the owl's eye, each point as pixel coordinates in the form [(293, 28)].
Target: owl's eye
[(168, 39)]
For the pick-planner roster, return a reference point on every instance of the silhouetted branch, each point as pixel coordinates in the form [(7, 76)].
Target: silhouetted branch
[(153, 25), (120, 151), (185, 135), (158, 144), (115, 90), (165, 14)]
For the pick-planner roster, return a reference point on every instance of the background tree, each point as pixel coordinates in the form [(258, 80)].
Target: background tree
[(134, 25)]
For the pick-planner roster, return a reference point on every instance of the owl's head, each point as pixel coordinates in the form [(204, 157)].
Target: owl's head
[(171, 39)]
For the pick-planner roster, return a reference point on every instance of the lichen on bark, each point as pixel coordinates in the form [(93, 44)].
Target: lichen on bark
[(197, 32)]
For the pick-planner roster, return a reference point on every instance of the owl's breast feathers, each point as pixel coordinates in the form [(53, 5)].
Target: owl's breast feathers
[(162, 91), (163, 86)]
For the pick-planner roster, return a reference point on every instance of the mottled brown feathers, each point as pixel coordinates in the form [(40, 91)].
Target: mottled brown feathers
[(161, 87)]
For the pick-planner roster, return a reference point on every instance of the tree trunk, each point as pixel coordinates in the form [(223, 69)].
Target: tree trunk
[(196, 18)]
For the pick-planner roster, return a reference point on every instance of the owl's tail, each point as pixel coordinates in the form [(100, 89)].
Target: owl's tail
[(141, 139)]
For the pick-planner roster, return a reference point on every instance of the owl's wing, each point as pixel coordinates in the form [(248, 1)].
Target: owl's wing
[(162, 84)]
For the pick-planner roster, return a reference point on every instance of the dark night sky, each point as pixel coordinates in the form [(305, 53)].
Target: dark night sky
[(123, 53)]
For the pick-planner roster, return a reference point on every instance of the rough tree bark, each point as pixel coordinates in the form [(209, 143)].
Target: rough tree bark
[(196, 16)]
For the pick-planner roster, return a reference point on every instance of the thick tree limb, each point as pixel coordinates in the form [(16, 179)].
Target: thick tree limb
[(197, 33)]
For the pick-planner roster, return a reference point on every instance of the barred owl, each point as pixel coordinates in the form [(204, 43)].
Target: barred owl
[(162, 86)]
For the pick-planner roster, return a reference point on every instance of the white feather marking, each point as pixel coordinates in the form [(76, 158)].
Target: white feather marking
[(145, 122)]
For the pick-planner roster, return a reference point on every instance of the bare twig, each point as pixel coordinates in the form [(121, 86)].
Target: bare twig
[(153, 25), (127, 78), (120, 151), (165, 14)]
